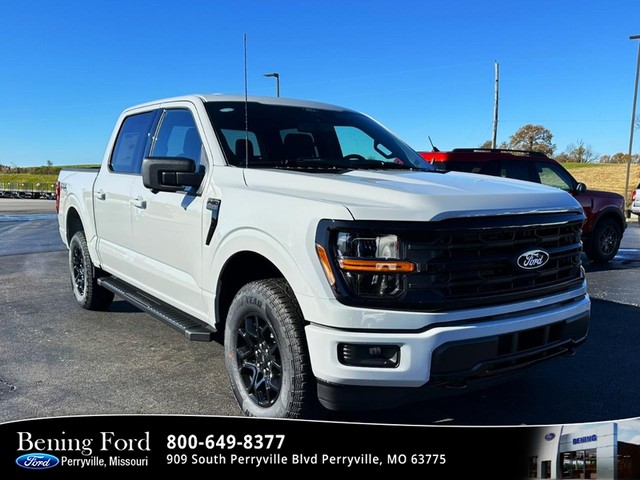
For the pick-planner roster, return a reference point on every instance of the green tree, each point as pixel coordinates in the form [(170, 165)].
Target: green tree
[(49, 163), (535, 138)]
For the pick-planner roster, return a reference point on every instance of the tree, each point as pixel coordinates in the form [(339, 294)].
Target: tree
[(580, 153), (49, 163), (620, 158), (487, 144), (534, 138)]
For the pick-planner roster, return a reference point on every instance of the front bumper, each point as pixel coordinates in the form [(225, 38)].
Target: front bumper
[(477, 349)]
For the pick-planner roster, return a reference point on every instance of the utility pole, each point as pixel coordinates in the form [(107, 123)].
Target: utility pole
[(633, 121), (495, 106)]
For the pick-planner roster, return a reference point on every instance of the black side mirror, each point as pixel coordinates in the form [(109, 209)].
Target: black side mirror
[(581, 187), (170, 174)]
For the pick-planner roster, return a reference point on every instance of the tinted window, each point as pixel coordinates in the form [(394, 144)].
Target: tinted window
[(520, 170), (235, 141), (280, 135), (555, 176), (355, 141), (131, 142), (484, 167), (178, 137)]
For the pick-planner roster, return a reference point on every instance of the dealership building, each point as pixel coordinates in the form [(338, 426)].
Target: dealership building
[(588, 451)]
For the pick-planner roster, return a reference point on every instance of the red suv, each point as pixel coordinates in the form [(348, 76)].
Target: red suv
[(601, 233)]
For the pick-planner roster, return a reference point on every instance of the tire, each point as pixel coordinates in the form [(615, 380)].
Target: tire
[(605, 241), (84, 276), (266, 352)]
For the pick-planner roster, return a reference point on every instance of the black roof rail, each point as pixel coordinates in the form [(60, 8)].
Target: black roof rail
[(500, 150)]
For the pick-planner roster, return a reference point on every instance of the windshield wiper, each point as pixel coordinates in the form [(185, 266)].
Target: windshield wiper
[(342, 164), (379, 164), (328, 163)]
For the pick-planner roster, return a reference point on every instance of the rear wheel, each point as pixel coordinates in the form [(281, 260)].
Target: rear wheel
[(266, 352), (605, 241), (84, 276)]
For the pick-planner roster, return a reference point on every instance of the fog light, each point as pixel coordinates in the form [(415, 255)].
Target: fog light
[(376, 356)]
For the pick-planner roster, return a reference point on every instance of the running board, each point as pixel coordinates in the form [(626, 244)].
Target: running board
[(192, 328)]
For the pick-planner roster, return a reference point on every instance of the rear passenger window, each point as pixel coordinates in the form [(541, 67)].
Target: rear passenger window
[(130, 145)]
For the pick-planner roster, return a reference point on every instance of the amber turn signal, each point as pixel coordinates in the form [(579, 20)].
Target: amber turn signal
[(324, 261), (379, 266)]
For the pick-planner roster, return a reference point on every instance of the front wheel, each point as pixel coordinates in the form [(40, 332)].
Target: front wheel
[(266, 352), (605, 241), (84, 276)]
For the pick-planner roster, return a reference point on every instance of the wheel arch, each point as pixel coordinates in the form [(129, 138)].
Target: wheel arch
[(246, 255), (605, 214), (598, 248), (73, 224), (241, 268)]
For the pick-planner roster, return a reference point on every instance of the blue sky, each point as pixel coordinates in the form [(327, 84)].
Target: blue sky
[(422, 68)]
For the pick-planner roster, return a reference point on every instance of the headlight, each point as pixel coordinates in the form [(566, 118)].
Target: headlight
[(370, 264)]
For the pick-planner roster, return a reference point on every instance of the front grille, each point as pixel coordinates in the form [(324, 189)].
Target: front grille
[(474, 262), (467, 262)]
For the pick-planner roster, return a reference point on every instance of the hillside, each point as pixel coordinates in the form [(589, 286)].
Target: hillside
[(605, 176)]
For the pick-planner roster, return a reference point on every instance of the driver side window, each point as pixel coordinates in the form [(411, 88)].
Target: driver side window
[(553, 176), (178, 137)]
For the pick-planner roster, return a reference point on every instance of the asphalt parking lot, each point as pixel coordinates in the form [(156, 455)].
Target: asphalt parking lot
[(57, 359)]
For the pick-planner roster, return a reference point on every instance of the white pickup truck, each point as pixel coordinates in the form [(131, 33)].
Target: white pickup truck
[(339, 266)]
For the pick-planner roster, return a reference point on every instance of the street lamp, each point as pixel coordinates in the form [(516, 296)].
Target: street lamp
[(633, 121), (277, 77)]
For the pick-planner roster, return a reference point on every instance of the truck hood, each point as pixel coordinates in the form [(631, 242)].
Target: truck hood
[(413, 195)]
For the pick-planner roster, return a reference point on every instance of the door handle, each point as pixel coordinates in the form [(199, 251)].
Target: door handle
[(100, 195), (139, 202)]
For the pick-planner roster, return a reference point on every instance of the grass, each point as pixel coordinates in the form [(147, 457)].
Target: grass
[(610, 177), (34, 176), (27, 179)]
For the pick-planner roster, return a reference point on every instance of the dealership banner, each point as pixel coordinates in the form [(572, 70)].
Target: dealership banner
[(106, 446)]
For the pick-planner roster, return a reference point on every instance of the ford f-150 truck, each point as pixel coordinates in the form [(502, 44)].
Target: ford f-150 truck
[(338, 265)]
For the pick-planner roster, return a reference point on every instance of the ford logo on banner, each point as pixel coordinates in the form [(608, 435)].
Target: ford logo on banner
[(37, 461), (532, 259), (549, 436)]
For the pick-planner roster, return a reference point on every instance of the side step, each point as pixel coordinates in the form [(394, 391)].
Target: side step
[(192, 328)]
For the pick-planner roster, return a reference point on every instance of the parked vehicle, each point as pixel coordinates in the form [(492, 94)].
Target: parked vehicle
[(635, 202), (605, 225), (339, 266)]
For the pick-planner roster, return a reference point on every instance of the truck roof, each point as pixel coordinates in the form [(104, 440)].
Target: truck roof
[(220, 97)]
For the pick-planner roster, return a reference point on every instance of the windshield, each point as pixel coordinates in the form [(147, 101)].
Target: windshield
[(300, 137)]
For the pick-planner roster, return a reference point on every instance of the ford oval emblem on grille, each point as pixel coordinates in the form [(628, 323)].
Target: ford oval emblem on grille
[(549, 436), (532, 259)]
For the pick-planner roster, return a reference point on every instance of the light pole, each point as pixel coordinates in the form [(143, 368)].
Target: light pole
[(633, 121), (275, 75)]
